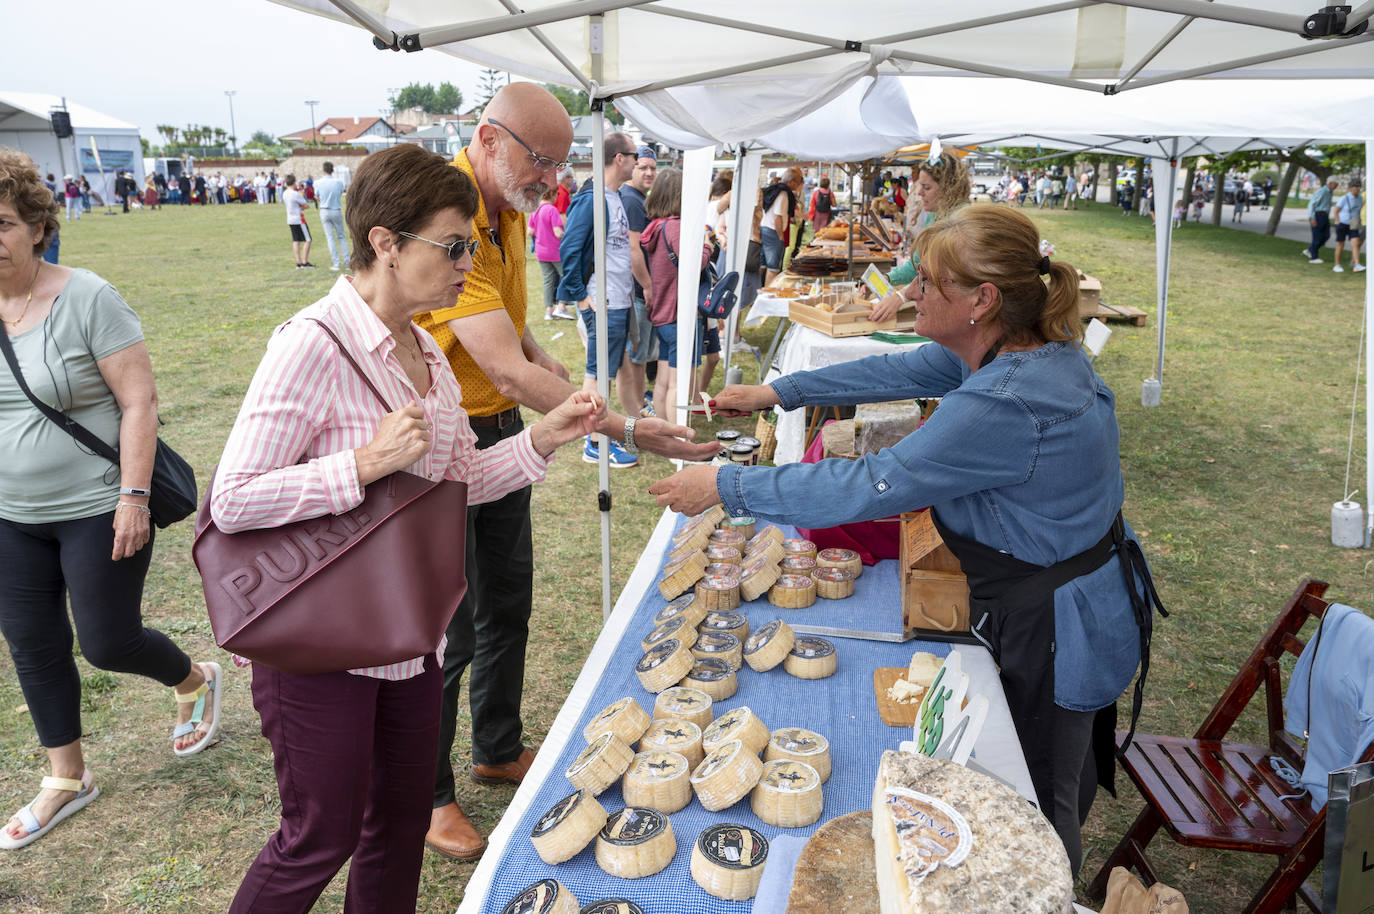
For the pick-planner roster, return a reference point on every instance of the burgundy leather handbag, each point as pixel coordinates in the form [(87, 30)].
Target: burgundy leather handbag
[(372, 586)]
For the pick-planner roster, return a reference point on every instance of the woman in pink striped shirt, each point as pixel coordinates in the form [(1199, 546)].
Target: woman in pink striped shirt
[(354, 751)]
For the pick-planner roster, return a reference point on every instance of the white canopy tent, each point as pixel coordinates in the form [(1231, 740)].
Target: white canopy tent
[(737, 70), (25, 125)]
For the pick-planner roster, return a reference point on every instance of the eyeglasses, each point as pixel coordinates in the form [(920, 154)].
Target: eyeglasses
[(922, 278), (542, 163), (455, 250)]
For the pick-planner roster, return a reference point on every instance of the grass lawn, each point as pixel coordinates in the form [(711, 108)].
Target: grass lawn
[(1229, 484)]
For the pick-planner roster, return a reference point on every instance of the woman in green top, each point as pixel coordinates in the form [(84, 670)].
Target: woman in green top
[(942, 186)]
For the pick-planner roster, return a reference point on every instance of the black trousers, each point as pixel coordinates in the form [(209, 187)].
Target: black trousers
[(489, 631), (44, 565)]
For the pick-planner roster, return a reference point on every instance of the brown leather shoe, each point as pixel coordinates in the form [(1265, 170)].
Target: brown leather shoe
[(451, 834), (508, 773)]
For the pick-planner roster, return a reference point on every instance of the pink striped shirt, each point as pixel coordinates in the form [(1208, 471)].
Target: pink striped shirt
[(290, 456)]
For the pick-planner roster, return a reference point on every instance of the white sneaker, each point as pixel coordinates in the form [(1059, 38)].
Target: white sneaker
[(1338, 269), (1359, 268), (334, 267), (1314, 260)]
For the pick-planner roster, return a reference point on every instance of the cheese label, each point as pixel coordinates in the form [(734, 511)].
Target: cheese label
[(612, 906), (755, 565), (670, 733), (679, 700), (831, 573), (537, 899), (799, 547), (675, 608), (633, 825), (790, 777), (712, 642), (718, 759), (710, 669), (560, 811), (767, 533), (812, 647), (799, 741), (761, 637), (610, 711), (721, 580), (658, 766), (930, 832), (667, 630), (797, 566), (722, 552), (657, 654), (727, 537), (719, 620), (735, 847), (724, 724), (837, 555)]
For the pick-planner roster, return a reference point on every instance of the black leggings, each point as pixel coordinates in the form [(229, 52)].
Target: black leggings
[(43, 563)]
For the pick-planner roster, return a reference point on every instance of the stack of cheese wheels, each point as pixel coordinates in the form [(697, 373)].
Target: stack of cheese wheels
[(720, 590), (677, 627), (767, 532), (568, 827), (769, 646), (788, 794), (799, 547), (728, 861), (847, 559), (800, 746), (680, 575), (792, 591), (600, 764), (611, 906), (547, 896), (684, 703), (726, 620), (686, 606), (744, 526), (672, 735), (771, 548), (721, 645), (725, 536), (757, 574), (736, 724), (721, 554), (694, 540), (636, 841), (659, 780), (833, 583), (625, 718), (664, 665), (726, 775), (798, 564), (811, 658), (714, 676)]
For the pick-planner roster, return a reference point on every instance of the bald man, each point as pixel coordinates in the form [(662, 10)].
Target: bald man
[(514, 157)]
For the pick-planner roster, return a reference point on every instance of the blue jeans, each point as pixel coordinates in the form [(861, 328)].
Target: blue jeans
[(667, 345), (642, 343), (617, 327), (553, 272), (1320, 233), (772, 249), (333, 222)]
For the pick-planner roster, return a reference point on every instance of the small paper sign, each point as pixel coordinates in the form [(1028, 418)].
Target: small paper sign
[(875, 280), (946, 727)]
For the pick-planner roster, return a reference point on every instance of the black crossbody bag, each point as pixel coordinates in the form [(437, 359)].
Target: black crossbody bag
[(174, 482)]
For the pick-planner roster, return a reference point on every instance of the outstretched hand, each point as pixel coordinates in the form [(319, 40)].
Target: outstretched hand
[(743, 399), (659, 436), (576, 416), (689, 491)]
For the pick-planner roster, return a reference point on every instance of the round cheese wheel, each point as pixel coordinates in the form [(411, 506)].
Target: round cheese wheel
[(672, 735), (664, 665), (625, 718), (799, 547), (547, 896), (740, 724), (792, 591), (568, 827), (636, 841), (726, 620), (722, 645), (788, 794), (798, 564), (659, 780), (847, 559), (811, 658), (744, 526), (768, 646), (833, 583), (757, 574), (719, 591), (728, 860), (682, 576), (766, 532), (800, 746), (611, 906), (726, 775), (770, 548), (721, 554), (600, 764), (686, 607), (677, 627), (714, 676), (684, 703), (728, 536)]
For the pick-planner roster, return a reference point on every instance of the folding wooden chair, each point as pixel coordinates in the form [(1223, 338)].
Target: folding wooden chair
[(1209, 793)]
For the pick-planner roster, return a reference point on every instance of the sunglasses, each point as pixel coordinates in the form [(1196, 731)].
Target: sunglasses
[(455, 250), (540, 162)]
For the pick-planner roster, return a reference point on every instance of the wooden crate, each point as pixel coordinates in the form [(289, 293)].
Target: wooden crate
[(934, 590), (1090, 304), (836, 323)]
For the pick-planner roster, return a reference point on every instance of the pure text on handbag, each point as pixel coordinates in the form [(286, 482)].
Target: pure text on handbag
[(372, 586)]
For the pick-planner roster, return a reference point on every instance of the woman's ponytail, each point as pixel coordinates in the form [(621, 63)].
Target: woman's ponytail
[(1059, 321)]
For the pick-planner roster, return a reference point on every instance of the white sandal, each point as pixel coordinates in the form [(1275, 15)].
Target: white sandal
[(210, 687), (86, 791)]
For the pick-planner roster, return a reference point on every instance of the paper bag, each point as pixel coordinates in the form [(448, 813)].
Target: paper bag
[(1125, 895)]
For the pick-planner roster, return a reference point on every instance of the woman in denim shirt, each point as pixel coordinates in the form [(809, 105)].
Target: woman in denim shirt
[(1021, 468)]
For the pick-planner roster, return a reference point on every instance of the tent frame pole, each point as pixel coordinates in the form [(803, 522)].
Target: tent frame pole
[(1368, 373), (549, 46), (727, 345), (603, 376), (1315, 47), (482, 28)]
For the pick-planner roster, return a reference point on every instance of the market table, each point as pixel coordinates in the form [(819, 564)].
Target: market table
[(843, 708)]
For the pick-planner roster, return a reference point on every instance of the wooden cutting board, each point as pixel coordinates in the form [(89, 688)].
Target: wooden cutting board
[(836, 870), (893, 713)]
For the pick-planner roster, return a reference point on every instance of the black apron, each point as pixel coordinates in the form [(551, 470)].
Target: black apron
[(1011, 610)]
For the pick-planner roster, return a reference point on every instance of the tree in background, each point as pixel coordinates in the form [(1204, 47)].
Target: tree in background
[(169, 133), (446, 99), (579, 103), (489, 84)]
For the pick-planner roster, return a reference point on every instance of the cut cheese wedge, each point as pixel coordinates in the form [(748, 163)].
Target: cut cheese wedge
[(547, 896), (670, 735), (811, 658), (635, 842), (726, 775), (659, 780), (714, 676), (769, 646), (625, 718), (568, 827), (736, 724), (721, 645), (728, 861), (800, 746), (684, 703), (664, 665), (600, 764), (788, 794)]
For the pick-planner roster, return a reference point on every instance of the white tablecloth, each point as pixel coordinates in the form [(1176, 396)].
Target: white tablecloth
[(765, 305), (805, 349)]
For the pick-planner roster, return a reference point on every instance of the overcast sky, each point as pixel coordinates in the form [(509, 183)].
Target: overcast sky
[(151, 62)]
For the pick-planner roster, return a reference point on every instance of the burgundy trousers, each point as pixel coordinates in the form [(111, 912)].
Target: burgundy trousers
[(354, 758)]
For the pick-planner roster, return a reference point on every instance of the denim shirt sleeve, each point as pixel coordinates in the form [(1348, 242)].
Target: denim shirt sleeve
[(976, 441), (930, 371)]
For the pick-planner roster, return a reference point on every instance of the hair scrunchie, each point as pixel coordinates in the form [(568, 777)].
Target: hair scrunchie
[(1044, 265)]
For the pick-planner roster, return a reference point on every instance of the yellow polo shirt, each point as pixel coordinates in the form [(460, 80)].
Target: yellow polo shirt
[(497, 280)]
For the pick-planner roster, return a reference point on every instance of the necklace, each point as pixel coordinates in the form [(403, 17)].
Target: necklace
[(27, 301)]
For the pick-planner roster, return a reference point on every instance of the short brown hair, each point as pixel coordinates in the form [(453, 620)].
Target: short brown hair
[(22, 187), (400, 188), (665, 197)]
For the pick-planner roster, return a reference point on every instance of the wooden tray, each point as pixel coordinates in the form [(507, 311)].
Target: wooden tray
[(837, 870), (894, 714), (832, 324), (1106, 312)]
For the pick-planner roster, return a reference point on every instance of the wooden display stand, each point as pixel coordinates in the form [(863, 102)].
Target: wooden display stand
[(1090, 304), (934, 589)]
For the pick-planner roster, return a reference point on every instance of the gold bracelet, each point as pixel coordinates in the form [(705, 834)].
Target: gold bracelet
[(128, 504)]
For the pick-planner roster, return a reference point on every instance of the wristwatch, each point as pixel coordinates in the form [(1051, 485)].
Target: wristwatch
[(141, 493), (629, 446)]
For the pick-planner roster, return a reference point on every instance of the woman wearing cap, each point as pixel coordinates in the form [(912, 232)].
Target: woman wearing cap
[(1020, 468)]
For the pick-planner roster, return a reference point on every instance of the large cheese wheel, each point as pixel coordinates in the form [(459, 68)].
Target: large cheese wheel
[(625, 718), (600, 764), (800, 746), (769, 646), (728, 861), (636, 841), (721, 645), (671, 735), (726, 775), (736, 724), (568, 827), (677, 627), (547, 896), (685, 606), (659, 780), (847, 559), (714, 676), (788, 794), (726, 620), (684, 703), (664, 665)]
